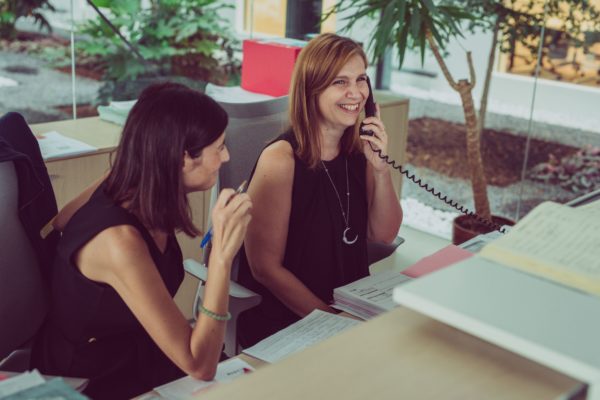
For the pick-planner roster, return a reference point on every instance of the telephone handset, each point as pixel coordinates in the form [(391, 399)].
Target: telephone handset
[(370, 111)]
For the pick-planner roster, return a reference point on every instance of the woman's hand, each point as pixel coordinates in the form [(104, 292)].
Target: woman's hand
[(379, 141), (230, 217)]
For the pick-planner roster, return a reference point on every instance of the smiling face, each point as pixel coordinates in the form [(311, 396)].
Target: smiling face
[(342, 101), (200, 173)]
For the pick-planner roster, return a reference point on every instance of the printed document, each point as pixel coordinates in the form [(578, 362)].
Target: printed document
[(185, 388), (369, 296), (54, 145), (312, 329), (556, 242)]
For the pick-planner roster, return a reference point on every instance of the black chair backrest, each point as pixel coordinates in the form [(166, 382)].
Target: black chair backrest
[(27, 204)]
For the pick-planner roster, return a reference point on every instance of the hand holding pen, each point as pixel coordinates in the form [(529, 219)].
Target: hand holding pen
[(230, 218)]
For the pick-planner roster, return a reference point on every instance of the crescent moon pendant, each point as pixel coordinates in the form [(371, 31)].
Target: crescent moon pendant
[(346, 240)]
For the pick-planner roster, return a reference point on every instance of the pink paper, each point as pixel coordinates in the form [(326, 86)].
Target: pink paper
[(442, 258)]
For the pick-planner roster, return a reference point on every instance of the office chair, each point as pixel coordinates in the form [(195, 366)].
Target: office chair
[(251, 126), (27, 203)]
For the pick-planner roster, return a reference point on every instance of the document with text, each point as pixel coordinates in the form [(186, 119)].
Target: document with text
[(312, 329), (55, 145), (556, 242), (370, 296)]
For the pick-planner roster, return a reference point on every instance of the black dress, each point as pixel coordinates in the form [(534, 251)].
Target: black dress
[(90, 332), (314, 250)]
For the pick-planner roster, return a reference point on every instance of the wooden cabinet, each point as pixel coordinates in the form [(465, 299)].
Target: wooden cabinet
[(394, 114)]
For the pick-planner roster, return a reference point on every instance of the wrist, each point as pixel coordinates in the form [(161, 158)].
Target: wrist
[(383, 173), (219, 259)]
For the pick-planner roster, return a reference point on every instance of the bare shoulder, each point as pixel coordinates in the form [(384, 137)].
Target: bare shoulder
[(276, 162), (105, 255), (280, 152)]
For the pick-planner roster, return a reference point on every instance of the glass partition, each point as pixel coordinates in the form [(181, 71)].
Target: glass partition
[(541, 126)]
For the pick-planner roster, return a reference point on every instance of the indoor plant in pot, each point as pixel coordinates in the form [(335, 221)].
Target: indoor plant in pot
[(420, 24)]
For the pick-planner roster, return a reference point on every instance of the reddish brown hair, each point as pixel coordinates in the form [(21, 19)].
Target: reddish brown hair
[(317, 65)]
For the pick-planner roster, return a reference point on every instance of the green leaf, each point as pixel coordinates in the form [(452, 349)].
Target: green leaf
[(415, 23), (429, 5), (186, 31), (401, 43)]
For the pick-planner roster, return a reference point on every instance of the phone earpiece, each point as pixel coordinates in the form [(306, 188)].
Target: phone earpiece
[(370, 110)]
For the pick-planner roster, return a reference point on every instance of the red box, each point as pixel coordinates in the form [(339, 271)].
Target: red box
[(267, 65)]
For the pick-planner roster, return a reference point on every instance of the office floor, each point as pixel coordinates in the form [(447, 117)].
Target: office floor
[(417, 244)]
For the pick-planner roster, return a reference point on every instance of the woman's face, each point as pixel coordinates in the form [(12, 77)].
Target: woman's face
[(340, 104), (200, 173)]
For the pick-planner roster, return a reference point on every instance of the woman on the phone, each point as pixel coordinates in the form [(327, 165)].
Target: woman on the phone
[(320, 193), (112, 316)]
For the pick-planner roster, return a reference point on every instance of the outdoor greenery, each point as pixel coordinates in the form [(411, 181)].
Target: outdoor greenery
[(173, 37), (418, 24), (12, 10)]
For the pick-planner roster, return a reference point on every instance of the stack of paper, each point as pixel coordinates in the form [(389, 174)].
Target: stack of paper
[(54, 145), (369, 296), (185, 388), (116, 111), (312, 329), (32, 385)]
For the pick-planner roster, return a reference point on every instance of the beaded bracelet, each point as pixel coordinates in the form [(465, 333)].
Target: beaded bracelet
[(214, 315)]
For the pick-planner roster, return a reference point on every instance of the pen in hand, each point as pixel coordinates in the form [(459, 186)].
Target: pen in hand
[(208, 236)]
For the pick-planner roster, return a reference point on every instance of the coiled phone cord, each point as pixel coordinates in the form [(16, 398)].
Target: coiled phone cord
[(452, 203)]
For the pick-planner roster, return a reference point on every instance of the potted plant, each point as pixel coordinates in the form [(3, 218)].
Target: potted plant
[(420, 24)]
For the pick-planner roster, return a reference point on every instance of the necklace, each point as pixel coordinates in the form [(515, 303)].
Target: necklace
[(346, 214)]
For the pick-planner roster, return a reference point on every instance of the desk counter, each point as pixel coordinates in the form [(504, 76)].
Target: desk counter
[(401, 354)]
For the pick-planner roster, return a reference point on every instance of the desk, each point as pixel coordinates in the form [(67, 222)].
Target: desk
[(71, 175), (400, 354)]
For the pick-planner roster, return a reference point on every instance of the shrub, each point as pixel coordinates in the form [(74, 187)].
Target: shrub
[(578, 173), (12, 10), (186, 37)]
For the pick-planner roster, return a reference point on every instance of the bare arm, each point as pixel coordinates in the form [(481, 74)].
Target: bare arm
[(385, 213), (271, 193), (64, 215), (119, 257)]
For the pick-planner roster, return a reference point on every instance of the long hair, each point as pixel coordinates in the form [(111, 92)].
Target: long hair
[(317, 65), (167, 120)]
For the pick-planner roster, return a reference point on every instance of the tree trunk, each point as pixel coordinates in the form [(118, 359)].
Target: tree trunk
[(465, 90), (488, 79)]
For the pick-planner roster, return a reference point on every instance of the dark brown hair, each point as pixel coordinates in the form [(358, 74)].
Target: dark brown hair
[(317, 65), (167, 120)]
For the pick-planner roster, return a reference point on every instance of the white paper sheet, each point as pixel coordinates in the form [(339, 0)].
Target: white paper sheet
[(184, 388), (373, 291), (53, 145), (314, 328)]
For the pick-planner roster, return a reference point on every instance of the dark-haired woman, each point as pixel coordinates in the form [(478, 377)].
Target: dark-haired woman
[(112, 317), (320, 193)]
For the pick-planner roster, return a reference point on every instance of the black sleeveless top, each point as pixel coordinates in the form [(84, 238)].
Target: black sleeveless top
[(90, 332), (314, 252)]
